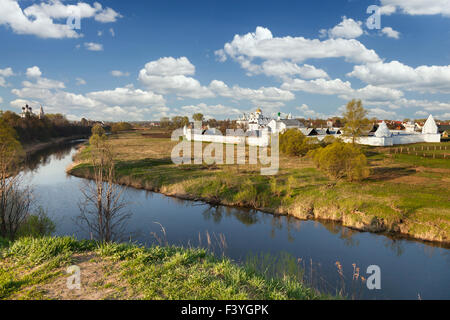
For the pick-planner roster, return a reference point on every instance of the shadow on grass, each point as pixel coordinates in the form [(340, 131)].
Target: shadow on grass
[(389, 173)]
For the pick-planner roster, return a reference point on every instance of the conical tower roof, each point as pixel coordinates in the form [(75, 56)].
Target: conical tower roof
[(383, 131), (430, 126)]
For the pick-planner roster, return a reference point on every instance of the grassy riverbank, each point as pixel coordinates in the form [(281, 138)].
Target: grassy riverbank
[(405, 194), (36, 269)]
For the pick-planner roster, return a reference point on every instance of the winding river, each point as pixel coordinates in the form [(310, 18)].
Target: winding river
[(409, 269)]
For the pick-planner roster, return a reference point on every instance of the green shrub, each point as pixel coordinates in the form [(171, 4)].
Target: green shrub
[(341, 160), (294, 143), (121, 126), (37, 225)]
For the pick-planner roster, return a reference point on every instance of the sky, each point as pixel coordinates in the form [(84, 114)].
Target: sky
[(143, 60)]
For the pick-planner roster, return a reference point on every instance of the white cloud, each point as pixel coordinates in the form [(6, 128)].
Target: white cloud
[(113, 33), (391, 33), (372, 93), (319, 86), (287, 68), (264, 96), (347, 29), (261, 44), (394, 74), (34, 72), (421, 113), (38, 19), (170, 75), (170, 66), (1, 100), (307, 112), (418, 7), (7, 72), (92, 46), (118, 73), (382, 114), (80, 81), (107, 15), (127, 97), (210, 111), (118, 104)]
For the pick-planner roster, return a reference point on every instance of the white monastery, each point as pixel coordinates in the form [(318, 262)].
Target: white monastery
[(259, 128)]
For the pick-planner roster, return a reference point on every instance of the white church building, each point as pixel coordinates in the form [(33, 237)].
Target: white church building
[(385, 137)]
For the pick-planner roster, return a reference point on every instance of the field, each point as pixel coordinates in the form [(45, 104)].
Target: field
[(405, 194)]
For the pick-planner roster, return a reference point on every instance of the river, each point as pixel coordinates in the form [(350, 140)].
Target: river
[(409, 269)]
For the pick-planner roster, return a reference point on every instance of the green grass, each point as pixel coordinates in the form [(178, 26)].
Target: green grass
[(149, 273)]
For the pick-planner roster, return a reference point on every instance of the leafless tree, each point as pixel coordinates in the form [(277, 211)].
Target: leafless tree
[(103, 208)]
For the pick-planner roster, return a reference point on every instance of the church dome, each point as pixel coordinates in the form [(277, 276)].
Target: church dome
[(258, 110)]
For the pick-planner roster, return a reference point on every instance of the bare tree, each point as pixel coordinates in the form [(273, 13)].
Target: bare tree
[(103, 209), (15, 200)]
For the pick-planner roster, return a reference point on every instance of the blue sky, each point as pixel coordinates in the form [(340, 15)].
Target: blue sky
[(142, 60)]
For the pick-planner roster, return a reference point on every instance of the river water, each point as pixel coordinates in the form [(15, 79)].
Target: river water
[(409, 269)]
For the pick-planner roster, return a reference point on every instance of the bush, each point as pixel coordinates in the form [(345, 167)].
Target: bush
[(37, 225), (121, 126), (340, 160), (294, 143)]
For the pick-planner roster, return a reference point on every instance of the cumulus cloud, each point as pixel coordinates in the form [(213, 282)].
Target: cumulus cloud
[(347, 29), (210, 111), (432, 79), (418, 7), (319, 86), (391, 33), (39, 19), (170, 75), (92, 46), (34, 72), (7, 72), (372, 93), (307, 112), (264, 96), (80, 81), (119, 104), (381, 113), (287, 69), (261, 44), (127, 97)]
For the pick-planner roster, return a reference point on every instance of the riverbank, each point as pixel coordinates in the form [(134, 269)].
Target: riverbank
[(405, 195), (33, 148), (36, 269)]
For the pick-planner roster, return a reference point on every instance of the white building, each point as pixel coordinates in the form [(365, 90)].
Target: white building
[(253, 121), (281, 125), (385, 137)]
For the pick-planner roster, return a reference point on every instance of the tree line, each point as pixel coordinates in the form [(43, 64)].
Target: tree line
[(32, 129)]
